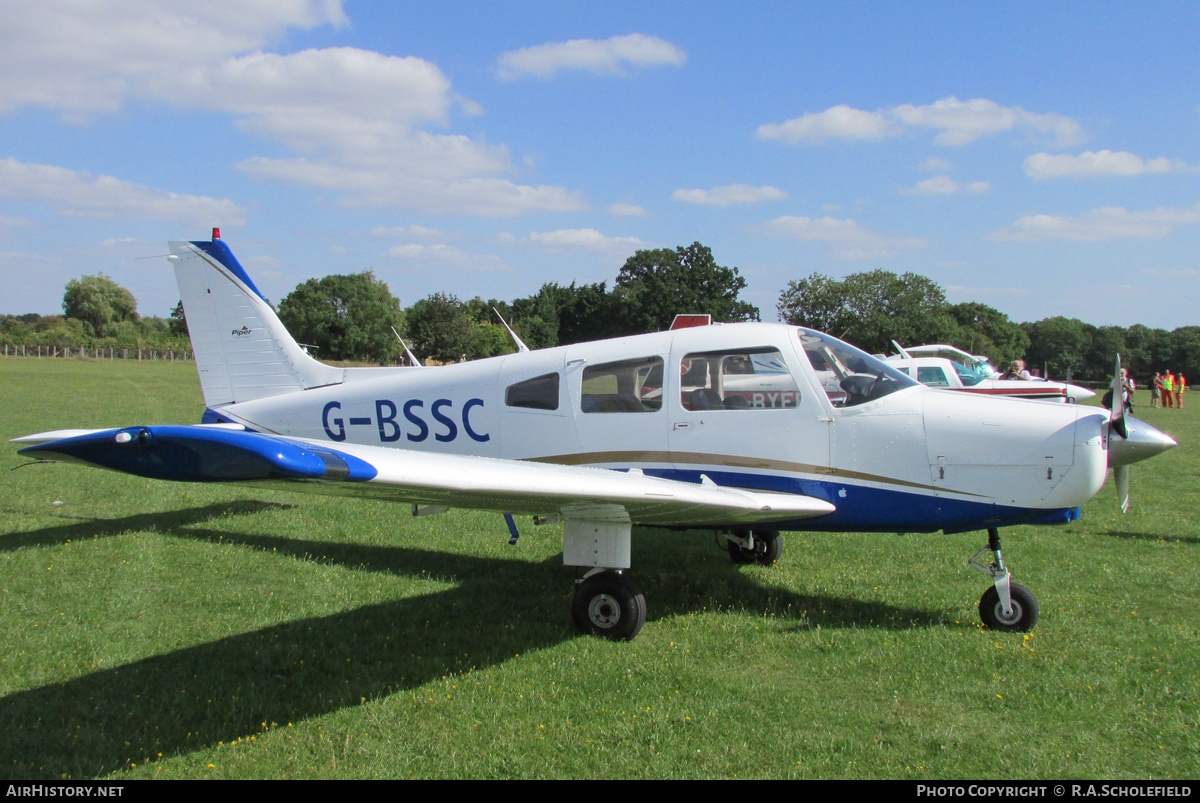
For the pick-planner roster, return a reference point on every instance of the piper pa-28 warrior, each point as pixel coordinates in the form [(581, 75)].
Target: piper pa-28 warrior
[(747, 429)]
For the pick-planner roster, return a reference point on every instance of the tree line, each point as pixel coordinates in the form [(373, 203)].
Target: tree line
[(98, 313), (351, 317)]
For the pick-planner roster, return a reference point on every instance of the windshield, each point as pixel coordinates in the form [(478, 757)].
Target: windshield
[(848, 375), (969, 376)]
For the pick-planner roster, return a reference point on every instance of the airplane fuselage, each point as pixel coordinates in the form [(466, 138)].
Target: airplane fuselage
[(744, 404)]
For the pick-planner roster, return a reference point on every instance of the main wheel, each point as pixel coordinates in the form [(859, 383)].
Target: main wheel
[(1024, 609), (609, 605), (766, 550)]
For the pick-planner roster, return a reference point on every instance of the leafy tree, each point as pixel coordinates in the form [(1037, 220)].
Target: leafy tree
[(99, 303), (1107, 342), (1185, 352), (347, 317), (560, 315), (1060, 344), (987, 331), (655, 285), (870, 309), (179, 320), (439, 328)]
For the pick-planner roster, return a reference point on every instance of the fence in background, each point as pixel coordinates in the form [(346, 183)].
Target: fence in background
[(87, 352)]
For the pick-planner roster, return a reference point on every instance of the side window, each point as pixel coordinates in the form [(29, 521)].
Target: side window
[(626, 386), (737, 379), (539, 393), (932, 376)]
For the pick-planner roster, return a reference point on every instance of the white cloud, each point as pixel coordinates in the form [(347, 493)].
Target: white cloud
[(847, 239), (602, 57), (409, 231), (957, 123), (352, 117), (7, 222), (447, 256), (627, 210), (936, 164), (961, 122), (84, 56), (944, 185), (318, 96), (837, 122), (1105, 223), (1091, 164), (382, 185), (582, 240), (82, 195), (729, 195)]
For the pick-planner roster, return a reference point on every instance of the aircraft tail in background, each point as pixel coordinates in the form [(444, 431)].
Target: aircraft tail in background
[(243, 351)]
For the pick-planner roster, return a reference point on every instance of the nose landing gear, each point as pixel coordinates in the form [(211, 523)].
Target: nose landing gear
[(1006, 606)]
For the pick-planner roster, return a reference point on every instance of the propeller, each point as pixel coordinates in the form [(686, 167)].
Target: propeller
[(1117, 425), (1138, 440), (1116, 421)]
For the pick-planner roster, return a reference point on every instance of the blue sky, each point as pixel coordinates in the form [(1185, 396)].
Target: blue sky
[(1043, 158)]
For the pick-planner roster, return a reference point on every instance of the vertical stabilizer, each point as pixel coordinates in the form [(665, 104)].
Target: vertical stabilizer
[(243, 351)]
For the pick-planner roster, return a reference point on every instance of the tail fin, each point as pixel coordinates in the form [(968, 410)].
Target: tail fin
[(243, 351)]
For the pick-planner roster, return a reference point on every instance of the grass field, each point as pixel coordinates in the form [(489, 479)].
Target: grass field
[(153, 630)]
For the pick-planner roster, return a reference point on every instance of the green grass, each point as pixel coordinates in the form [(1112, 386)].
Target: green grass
[(153, 630)]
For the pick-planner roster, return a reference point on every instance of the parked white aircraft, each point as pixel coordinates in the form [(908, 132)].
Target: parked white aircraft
[(978, 364), (746, 429), (977, 376)]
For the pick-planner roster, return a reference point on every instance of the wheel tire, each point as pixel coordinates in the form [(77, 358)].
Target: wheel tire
[(768, 546), (609, 605), (1024, 611)]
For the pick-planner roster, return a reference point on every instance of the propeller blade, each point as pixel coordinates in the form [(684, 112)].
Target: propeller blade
[(1117, 418), (1122, 475)]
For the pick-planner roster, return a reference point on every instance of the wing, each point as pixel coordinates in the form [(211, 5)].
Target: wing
[(228, 454)]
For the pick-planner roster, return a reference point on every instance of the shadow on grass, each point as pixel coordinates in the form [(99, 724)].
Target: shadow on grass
[(193, 698), (84, 529), (1170, 539)]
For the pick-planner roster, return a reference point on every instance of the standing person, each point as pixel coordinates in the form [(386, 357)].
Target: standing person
[(1125, 386), (1016, 371), (1180, 387), (1155, 389), (1168, 389)]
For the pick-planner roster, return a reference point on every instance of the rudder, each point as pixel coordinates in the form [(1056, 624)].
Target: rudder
[(243, 351)]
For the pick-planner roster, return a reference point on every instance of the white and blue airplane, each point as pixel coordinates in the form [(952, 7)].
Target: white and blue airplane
[(747, 429)]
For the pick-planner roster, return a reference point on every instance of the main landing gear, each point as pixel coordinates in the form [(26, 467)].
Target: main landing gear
[(608, 604), (753, 546), (1006, 605)]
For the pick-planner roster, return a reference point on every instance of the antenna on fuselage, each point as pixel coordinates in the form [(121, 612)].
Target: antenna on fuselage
[(412, 357), (520, 345)]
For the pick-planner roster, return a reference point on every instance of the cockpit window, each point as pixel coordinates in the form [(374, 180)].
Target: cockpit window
[(626, 386), (737, 379), (539, 393), (848, 375)]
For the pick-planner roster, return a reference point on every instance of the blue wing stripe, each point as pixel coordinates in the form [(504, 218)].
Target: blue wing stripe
[(198, 454)]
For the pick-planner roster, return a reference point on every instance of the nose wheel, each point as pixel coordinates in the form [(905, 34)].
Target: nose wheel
[(1006, 606)]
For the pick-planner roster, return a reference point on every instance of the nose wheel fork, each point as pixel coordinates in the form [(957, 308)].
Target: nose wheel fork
[(1006, 606)]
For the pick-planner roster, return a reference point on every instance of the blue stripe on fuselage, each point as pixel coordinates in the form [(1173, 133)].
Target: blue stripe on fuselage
[(865, 509)]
